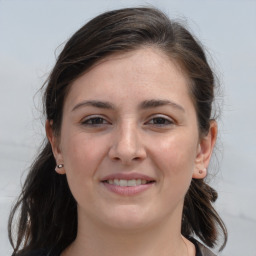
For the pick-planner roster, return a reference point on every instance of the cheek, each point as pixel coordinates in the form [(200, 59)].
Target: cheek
[(81, 159), (81, 154), (175, 157)]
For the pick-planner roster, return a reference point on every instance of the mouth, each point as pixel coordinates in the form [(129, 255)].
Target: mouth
[(128, 183)]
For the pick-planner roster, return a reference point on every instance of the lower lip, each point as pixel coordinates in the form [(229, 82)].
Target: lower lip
[(127, 191)]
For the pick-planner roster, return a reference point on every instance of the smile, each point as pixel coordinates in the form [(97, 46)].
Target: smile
[(128, 183)]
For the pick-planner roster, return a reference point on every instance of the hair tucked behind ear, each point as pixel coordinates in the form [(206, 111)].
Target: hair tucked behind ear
[(48, 214)]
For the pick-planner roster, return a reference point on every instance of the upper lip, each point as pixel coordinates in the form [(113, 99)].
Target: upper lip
[(128, 176)]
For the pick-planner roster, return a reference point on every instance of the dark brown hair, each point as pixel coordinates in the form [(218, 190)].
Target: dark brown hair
[(48, 213)]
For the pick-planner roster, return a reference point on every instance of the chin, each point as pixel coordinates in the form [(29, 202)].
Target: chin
[(129, 218)]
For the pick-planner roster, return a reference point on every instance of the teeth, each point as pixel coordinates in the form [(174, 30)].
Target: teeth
[(127, 183), (138, 182), (131, 183), (123, 183)]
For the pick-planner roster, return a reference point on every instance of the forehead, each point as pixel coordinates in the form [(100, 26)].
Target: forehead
[(147, 58), (144, 72)]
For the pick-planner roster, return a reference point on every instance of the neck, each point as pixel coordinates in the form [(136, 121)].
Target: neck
[(128, 243), (160, 239)]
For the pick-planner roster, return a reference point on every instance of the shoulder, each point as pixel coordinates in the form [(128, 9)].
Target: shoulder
[(40, 252), (201, 250)]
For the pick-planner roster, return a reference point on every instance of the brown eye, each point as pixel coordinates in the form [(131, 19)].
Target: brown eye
[(94, 121), (160, 121)]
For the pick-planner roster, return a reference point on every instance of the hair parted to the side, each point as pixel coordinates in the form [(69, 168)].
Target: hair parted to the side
[(47, 209)]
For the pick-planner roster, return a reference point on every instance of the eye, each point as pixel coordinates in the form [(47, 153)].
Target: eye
[(160, 121), (94, 121)]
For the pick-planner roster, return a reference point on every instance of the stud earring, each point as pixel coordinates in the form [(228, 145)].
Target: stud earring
[(202, 171), (58, 166)]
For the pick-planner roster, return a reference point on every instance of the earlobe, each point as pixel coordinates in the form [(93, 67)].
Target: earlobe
[(205, 149), (55, 147), (60, 169), (199, 173)]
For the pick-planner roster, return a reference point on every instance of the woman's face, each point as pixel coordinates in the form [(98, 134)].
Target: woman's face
[(129, 140)]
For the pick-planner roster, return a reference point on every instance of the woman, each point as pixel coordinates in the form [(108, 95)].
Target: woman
[(130, 136)]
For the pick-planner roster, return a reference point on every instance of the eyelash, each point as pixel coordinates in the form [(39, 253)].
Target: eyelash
[(97, 121), (163, 121), (94, 121)]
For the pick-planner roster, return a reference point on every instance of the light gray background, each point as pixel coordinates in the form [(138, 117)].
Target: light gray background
[(30, 31)]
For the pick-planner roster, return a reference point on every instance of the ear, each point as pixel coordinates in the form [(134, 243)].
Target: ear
[(205, 149), (55, 147)]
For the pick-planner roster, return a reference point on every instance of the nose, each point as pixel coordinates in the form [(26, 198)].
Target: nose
[(127, 146)]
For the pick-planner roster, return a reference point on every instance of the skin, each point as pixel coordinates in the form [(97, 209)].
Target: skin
[(162, 142)]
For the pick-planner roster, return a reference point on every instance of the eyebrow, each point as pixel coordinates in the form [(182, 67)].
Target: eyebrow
[(94, 103), (144, 105), (158, 103)]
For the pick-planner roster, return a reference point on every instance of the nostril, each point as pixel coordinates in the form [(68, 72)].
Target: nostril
[(116, 158), (125, 151)]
